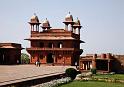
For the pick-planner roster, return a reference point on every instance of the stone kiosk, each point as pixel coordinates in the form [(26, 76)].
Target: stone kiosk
[(10, 53)]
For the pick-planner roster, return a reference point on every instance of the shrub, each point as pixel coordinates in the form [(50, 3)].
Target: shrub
[(55, 83), (93, 71), (78, 77), (71, 72), (89, 74)]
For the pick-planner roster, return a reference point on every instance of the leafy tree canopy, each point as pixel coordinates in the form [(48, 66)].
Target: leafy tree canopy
[(25, 58)]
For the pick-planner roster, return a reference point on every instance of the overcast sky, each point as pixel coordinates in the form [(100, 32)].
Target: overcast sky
[(102, 21)]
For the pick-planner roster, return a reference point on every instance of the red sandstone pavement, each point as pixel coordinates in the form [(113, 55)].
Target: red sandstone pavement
[(17, 73)]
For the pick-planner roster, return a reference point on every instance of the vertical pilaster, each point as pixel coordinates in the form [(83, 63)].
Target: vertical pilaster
[(66, 27), (37, 27), (54, 58), (71, 28), (74, 30), (83, 65), (108, 65), (94, 61), (33, 27), (78, 31)]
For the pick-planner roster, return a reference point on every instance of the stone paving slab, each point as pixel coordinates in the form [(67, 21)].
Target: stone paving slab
[(17, 73)]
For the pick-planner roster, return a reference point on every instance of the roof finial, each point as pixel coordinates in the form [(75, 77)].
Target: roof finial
[(34, 14), (77, 18)]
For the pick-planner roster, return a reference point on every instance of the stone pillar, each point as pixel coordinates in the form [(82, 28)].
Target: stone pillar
[(108, 65), (54, 58), (75, 30), (90, 65), (83, 65), (31, 28), (35, 27), (52, 45), (66, 27), (94, 61), (38, 28), (71, 28), (78, 31), (45, 57), (63, 61), (86, 66)]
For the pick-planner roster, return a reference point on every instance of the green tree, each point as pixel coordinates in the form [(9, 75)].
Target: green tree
[(25, 58)]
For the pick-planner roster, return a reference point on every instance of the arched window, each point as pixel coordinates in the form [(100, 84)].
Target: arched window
[(41, 44), (50, 45), (60, 45)]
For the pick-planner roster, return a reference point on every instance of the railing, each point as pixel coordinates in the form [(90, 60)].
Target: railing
[(50, 49)]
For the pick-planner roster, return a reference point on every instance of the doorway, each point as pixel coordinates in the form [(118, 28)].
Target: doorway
[(102, 65), (50, 58)]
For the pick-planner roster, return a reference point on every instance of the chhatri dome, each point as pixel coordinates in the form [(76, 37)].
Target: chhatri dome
[(77, 22), (69, 17), (46, 23), (34, 19)]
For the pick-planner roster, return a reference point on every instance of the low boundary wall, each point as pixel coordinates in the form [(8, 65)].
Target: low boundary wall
[(30, 81)]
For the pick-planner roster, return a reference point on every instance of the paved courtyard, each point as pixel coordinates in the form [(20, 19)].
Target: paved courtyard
[(17, 73)]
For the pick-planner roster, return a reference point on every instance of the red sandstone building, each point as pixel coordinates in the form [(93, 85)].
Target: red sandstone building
[(10, 53), (55, 46), (102, 62)]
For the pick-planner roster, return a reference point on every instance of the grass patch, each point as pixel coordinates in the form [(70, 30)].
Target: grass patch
[(91, 84), (114, 76)]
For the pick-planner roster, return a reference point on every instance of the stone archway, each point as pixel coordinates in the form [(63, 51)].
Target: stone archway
[(50, 58)]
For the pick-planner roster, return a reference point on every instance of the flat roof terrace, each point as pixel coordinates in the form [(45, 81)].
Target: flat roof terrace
[(10, 74)]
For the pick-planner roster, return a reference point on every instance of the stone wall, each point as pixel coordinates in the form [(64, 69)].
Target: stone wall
[(118, 63)]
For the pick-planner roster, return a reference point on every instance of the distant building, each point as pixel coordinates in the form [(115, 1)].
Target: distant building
[(102, 62), (55, 46), (10, 53)]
